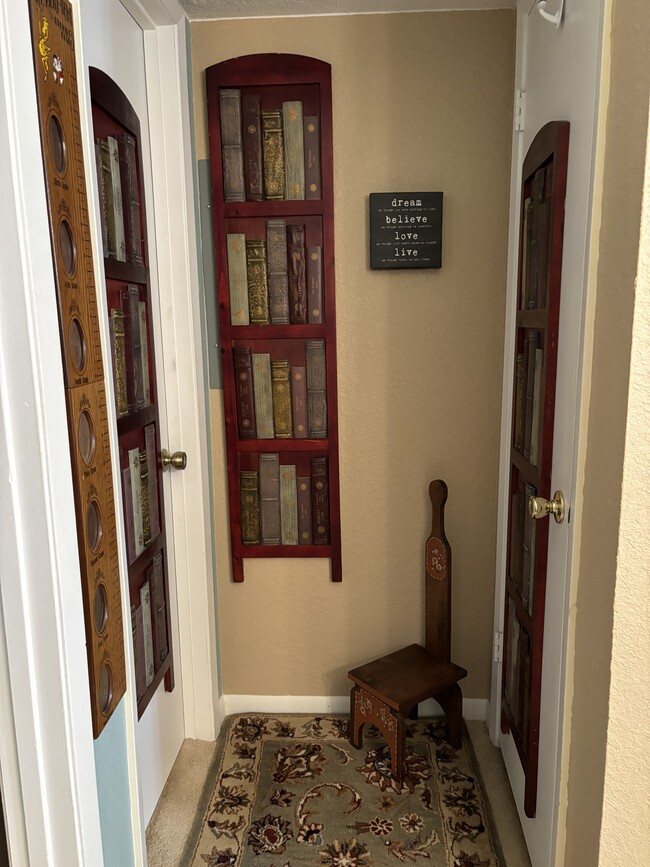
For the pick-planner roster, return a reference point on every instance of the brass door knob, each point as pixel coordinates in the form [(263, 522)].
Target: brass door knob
[(178, 460), (538, 507)]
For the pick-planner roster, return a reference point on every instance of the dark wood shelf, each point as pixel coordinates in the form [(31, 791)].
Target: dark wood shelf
[(136, 568), (273, 332), (267, 208), (529, 472), (137, 419), (126, 272), (274, 79), (284, 445), (165, 672), (522, 612)]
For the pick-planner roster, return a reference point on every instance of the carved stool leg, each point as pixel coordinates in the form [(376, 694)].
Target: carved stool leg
[(451, 701), (356, 723)]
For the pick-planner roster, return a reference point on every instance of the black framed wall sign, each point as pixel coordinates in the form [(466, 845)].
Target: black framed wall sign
[(405, 230)]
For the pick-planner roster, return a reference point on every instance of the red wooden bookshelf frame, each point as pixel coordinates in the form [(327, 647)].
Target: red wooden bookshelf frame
[(278, 76), (550, 146), (113, 113)]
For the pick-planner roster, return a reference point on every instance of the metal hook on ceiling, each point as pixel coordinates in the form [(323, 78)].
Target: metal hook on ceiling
[(554, 18)]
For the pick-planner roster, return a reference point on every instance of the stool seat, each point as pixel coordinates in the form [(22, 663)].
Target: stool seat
[(406, 677)]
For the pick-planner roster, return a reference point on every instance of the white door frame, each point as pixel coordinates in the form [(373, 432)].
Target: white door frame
[(49, 785), (573, 460)]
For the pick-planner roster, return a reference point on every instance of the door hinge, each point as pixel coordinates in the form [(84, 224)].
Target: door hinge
[(498, 646), (520, 110)]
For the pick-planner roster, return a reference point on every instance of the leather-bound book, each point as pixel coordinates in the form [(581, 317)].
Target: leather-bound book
[(299, 402), (276, 251), (237, 279), (312, 158), (294, 150), (158, 605), (270, 498), (147, 626), (282, 422), (520, 403), (131, 196), (315, 285), (102, 197), (531, 346), (249, 497), (288, 505), (118, 201), (263, 395), (140, 674), (144, 498), (144, 353), (118, 344), (297, 275), (232, 152), (316, 389), (133, 343), (537, 404), (244, 393), (107, 198), (129, 521), (258, 293), (305, 531), (152, 464), (136, 499), (273, 154), (252, 135), (320, 501)]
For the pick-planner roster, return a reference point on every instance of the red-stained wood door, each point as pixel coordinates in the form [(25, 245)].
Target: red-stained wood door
[(535, 364)]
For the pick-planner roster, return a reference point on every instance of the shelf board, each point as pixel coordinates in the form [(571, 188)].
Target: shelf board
[(144, 700), (532, 319), (284, 445), (526, 469), (268, 208), (255, 551), (134, 420), (273, 332), (135, 568), (126, 272)]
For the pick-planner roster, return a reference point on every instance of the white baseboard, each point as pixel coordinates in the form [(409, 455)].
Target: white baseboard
[(473, 708)]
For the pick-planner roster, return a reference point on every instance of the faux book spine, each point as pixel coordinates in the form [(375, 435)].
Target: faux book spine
[(244, 393), (273, 154), (232, 154), (316, 389), (270, 498), (314, 285), (278, 279), (288, 505), (237, 279), (312, 158), (263, 394), (282, 421), (320, 501), (252, 134), (250, 507), (299, 401), (294, 150), (258, 293), (297, 275)]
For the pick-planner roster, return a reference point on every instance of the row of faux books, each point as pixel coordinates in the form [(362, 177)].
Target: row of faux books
[(528, 396), (517, 673), (277, 399), (119, 198), (268, 153), (276, 280), (140, 496), (149, 627), (280, 508), (522, 545), (130, 349), (535, 236)]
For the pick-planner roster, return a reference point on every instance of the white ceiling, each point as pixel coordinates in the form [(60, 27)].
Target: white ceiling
[(198, 9)]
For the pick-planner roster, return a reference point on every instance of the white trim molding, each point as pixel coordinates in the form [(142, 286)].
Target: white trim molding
[(473, 708)]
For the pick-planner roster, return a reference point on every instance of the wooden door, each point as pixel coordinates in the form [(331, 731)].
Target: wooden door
[(124, 230), (535, 364)]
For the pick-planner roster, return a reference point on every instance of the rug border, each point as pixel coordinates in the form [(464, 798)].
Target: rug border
[(194, 834)]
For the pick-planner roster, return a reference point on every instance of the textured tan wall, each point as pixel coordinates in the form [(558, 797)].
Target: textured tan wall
[(627, 119), (421, 102)]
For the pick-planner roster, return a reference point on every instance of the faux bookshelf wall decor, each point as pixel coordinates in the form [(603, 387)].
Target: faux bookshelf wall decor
[(118, 172), (270, 126), (83, 369)]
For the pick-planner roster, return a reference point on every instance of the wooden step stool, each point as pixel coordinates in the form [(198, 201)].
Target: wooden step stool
[(388, 689)]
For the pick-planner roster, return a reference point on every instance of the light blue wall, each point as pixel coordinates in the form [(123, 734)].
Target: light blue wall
[(113, 792)]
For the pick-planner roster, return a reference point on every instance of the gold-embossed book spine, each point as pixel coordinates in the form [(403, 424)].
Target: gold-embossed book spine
[(237, 279), (282, 420), (315, 285), (119, 361), (258, 292), (316, 388), (232, 152), (294, 150), (263, 393), (288, 505), (312, 158), (276, 249), (144, 498), (250, 507), (273, 154)]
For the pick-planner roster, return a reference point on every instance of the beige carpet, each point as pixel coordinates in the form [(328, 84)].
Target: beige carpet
[(177, 818)]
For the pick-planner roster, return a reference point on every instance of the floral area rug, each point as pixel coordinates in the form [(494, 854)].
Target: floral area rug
[(291, 791)]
